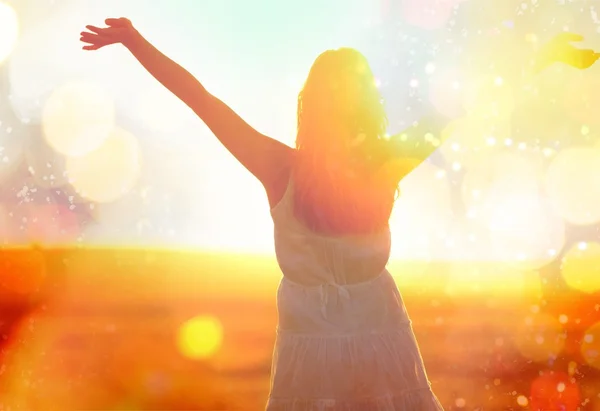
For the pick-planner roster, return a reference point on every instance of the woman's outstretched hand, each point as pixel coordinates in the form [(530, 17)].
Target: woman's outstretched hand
[(560, 49), (117, 31)]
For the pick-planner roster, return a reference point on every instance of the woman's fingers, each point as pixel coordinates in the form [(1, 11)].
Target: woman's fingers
[(97, 37), (120, 22), (95, 29), (109, 35), (585, 56), (112, 22), (95, 41), (590, 57), (91, 47), (568, 37), (579, 58), (89, 37)]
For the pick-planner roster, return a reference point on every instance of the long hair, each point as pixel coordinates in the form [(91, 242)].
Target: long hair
[(341, 147)]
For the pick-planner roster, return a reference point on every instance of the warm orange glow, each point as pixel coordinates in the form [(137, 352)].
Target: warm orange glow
[(488, 281), (153, 283), (22, 272), (555, 391)]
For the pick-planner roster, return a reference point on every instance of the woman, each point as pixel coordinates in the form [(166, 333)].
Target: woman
[(344, 340)]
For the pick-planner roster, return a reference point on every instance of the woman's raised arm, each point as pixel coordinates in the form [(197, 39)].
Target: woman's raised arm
[(263, 156), (414, 145)]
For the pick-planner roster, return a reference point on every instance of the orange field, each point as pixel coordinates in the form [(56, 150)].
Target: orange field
[(105, 330)]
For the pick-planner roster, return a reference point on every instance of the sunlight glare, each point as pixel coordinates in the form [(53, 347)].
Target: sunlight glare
[(421, 214), (500, 194)]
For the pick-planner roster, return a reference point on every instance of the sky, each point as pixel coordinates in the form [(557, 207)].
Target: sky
[(253, 55), (98, 153)]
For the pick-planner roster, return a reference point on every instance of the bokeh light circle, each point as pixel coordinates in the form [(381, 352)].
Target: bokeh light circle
[(77, 118), (9, 30), (489, 97), (590, 346), (446, 92), (582, 99), (108, 172), (555, 391), (468, 140), (573, 185), (540, 337), (427, 14), (580, 267), (496, 176), (530, 237), (200, 337), (502, 195)]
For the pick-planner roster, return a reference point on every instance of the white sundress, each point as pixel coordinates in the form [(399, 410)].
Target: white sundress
[(342, 344)]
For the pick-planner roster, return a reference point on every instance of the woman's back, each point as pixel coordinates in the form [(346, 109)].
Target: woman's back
[(308, 257), (344, 338)]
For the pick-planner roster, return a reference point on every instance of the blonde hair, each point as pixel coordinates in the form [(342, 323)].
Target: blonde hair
[(341, 146)]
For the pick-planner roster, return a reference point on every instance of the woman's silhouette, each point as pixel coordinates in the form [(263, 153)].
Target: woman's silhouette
[(344, 340)]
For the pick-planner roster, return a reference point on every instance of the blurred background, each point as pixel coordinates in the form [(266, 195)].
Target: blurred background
[(137, 269)]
